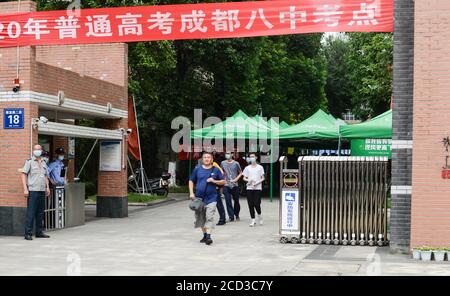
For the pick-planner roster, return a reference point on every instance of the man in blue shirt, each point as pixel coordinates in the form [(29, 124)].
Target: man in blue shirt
[(206, 178), (56, 169)]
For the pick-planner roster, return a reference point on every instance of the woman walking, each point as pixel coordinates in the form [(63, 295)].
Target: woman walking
[(254, 176)]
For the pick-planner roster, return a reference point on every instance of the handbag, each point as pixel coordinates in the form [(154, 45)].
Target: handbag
[(198, 204)]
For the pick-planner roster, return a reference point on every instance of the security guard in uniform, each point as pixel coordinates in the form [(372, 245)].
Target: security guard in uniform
[(35, 187), (56, 168)]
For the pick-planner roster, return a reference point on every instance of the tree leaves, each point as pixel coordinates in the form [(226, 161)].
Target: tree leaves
[(359, 73)]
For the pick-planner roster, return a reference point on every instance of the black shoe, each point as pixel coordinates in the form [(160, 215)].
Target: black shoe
[(42, 235), (28, 237), (221, 223), (231, 219), (208, 241), (238, 219), (203, 240)]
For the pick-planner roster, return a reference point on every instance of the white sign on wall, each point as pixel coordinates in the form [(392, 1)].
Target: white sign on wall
[(290, 212), (110, 156), (71, 149), (172, 171)]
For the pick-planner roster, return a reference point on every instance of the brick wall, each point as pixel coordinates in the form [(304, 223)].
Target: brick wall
[(11, 7), (14, 150), (94, 60), (49, 80), (8, 67), (430, 193), (400, 218), (15, 144)]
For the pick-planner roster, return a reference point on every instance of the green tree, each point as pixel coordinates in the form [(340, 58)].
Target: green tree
[(336, 50), (370, 63), (292, 76)]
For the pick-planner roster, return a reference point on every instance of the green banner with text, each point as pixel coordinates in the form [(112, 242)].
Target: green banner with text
[(371, 147)]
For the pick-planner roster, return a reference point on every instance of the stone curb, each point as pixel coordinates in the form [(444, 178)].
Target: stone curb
[(143, 204)]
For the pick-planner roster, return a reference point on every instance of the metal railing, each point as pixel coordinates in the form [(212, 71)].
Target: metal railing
[(55, 209)]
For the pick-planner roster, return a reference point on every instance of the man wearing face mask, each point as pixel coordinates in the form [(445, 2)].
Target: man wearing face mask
[(56, 168), (233, 173), (45, 157), (35, 187)]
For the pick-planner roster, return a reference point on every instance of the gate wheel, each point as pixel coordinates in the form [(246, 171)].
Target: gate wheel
[(283, 240), (295, 240)]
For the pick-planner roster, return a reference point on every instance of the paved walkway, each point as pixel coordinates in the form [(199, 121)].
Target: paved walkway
[(161, 241)]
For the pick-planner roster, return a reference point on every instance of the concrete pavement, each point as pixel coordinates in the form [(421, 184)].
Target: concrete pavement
[(161, 241)]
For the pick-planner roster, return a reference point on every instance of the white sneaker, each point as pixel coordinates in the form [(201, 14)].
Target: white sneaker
[(260, 219), (252, 223)]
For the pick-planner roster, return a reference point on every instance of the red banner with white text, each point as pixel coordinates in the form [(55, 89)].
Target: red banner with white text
[(195, 21)]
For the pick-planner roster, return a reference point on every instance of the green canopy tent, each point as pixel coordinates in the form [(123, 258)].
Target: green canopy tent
[(372, 137), (239, 126), (379, 127), (260, 120), (318, 126), (272, 123), (284, 124)]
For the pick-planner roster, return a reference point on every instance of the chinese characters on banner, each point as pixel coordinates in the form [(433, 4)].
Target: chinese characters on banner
[(195, 21), (371, 147), (378, 144)]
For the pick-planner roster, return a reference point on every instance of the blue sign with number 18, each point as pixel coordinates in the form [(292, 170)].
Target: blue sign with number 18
[(13, 118)]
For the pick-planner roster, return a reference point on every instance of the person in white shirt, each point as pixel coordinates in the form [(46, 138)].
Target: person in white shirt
[(254, 176)]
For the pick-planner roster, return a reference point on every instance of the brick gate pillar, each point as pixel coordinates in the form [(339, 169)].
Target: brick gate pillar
[(112, 196), (400, 218), (15, 144)]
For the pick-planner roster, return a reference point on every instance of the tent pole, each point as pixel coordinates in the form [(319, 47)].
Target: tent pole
[(271, 171), (140, 150), (339, 146), (132, 172), (190, 157)]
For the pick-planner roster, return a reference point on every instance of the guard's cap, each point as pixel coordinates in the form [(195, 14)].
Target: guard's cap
[(60, 150)]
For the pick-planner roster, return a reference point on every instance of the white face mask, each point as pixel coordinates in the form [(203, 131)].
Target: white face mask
[(252, 160), (228, 156), (37, 153), (61, 157)]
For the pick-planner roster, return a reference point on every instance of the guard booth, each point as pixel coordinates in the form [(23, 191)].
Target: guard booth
[(66, 205), (335, 200)]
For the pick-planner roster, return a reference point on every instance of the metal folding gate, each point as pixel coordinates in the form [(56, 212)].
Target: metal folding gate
[(342, 200), (55, 209)]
